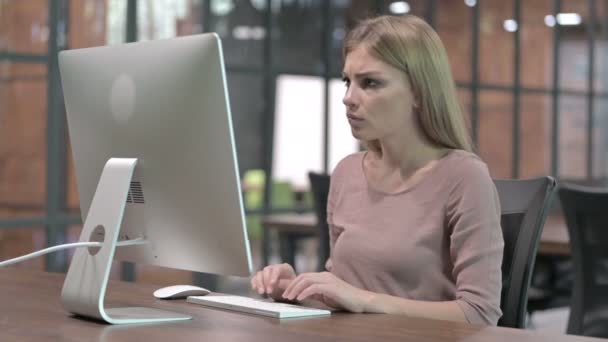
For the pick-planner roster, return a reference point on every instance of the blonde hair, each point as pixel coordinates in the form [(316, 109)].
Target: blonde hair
[(411, 45)]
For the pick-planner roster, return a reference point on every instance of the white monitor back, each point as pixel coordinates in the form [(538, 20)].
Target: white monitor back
[(165, 103)]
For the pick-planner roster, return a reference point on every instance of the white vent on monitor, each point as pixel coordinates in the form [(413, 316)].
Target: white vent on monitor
[(136, 194)]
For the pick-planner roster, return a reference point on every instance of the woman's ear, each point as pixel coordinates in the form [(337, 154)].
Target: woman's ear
[(416, 104), (415, 100)]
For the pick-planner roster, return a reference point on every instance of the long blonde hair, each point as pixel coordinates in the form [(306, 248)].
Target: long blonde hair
[(409, 44)]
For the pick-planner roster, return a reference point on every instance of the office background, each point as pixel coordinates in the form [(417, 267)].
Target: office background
[(531, 76)]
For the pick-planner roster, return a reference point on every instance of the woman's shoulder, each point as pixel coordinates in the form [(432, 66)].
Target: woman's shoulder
[(463, 171), (462, 163), (348, 170), (349, 164), (466, 173)]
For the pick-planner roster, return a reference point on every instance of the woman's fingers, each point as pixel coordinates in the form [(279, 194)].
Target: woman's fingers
[(289, 289), (257, 282), (272, 279), (300, 283), (316, 290), (267, 279)]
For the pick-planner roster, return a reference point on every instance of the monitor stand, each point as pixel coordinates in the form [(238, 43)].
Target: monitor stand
[(85, 283)]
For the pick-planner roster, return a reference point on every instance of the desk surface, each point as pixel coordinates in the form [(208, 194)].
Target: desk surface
[(553, 241), (31, 311)]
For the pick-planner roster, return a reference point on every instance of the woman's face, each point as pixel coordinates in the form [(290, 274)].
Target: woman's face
[(378, 98)]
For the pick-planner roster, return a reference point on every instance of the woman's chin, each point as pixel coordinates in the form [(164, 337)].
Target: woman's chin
[(361, 136), (357, 134)]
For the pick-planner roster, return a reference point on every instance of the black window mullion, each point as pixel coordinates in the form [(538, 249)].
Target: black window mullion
[(516, 92), (379, 7), (431, 13), (326, 39), (131, 29), (56, 145), (557, 4), (206, 16), (23, 57), (532, 90), (268, 137), (603, 27), (475, 74), (590, 85), (269, 106)]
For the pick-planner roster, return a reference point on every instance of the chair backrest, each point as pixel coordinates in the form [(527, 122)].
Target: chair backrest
[(524, 207), (319, 185), (586, 212)]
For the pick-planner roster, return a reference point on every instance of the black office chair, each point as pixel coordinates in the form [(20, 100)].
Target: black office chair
[(319, 185), (553, 277), (586, 212), (524, 206)]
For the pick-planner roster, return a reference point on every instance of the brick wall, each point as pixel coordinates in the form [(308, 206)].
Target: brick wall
[(22, 126), (23, 99)]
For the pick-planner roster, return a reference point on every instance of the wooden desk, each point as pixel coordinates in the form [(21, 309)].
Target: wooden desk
[(31, 311), (305, 224), (553, 241), (290, 227)]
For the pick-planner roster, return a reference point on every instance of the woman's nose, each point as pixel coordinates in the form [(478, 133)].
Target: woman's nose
[(349, 98)]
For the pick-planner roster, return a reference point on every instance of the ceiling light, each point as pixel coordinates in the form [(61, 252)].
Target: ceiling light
[(221, 7), (564, 19), (510, 25), (569, 19), (399, 7), (248, 32)]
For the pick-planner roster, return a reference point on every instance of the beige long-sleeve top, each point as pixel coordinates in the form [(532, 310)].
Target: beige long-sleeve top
[(438, 240)]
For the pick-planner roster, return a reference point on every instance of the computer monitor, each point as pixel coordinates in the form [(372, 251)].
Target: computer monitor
[(153, 146)]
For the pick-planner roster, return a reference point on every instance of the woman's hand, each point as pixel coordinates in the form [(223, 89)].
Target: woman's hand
[(328, 289), (273, 280)]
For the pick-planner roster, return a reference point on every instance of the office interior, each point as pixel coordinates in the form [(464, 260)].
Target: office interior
[(532, 77)]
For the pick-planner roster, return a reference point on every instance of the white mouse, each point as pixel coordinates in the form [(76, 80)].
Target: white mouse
[(180, 291)]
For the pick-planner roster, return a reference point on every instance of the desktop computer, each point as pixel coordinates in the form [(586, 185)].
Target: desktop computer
[(152, 140)]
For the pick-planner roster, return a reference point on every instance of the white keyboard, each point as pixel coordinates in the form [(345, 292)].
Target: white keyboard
[(257, 306)]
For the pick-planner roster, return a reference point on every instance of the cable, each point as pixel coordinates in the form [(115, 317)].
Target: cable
[(138, 241)]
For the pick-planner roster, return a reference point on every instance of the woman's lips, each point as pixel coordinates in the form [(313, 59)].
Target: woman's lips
[(353, 118)]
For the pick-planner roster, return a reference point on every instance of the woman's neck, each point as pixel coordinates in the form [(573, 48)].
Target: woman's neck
[(397, 167), (406, 157)]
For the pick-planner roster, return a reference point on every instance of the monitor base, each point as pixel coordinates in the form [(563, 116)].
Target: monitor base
[(127, 315), (85, 284)]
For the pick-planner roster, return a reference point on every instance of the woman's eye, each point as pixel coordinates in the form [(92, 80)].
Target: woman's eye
[(346, 82), (369, 83)]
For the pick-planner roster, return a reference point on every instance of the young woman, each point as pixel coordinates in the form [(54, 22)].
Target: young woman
[(414, 220)]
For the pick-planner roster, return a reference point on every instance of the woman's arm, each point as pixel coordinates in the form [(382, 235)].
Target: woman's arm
[(334, 292), (476, 243), (382, 303)]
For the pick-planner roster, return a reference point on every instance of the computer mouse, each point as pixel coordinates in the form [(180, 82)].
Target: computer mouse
[(180, 291)]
